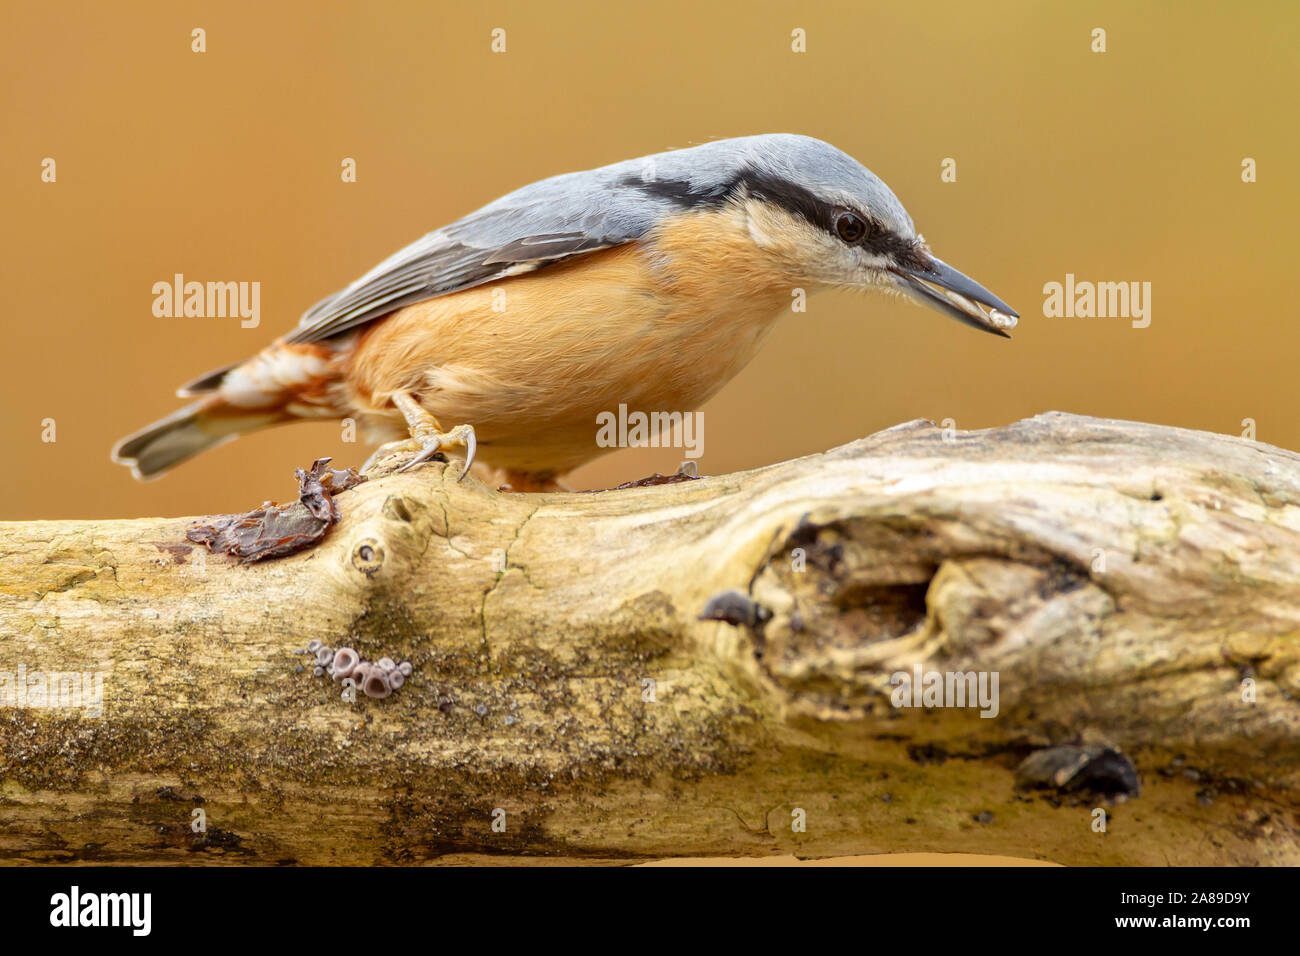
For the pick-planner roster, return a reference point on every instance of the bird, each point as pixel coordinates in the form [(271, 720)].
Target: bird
[(648, 283)]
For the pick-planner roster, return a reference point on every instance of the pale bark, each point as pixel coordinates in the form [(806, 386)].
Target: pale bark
[(1122, 579)]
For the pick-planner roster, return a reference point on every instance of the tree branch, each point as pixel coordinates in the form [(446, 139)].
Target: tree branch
[(1122, 580)]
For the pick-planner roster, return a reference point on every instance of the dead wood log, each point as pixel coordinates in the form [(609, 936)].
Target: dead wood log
[(1135, 588)]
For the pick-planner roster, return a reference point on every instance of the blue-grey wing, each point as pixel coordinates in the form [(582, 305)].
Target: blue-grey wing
[(538, 225)]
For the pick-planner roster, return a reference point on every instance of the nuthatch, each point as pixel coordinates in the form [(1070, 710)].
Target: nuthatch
[(648, 283)]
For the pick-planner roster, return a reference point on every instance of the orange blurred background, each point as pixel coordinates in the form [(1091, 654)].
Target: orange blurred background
[(225, 165)]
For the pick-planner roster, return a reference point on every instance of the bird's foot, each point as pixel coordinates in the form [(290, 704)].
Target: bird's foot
[(427, 437), (377, 464), (431, 443), (415, 451)]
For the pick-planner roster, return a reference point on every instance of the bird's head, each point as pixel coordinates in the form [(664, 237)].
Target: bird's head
[(832, 221)]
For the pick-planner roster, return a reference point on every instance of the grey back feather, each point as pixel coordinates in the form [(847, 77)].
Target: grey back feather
[(582, 212)]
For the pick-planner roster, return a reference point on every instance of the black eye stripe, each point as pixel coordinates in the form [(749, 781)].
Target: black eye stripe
[(801, 202), (791, 197)]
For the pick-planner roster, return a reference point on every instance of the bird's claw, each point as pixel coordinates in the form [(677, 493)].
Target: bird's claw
[(471, 446), (387, 450), (433, 445)]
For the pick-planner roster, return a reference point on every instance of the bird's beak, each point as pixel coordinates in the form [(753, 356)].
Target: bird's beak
[(942, 287)]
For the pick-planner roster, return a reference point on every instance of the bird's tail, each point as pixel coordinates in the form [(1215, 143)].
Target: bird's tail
[(183, 434)]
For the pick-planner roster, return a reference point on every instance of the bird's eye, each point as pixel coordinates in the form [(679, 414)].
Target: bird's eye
[(850, 226)]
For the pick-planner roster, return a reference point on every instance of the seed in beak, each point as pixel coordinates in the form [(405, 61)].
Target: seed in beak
[(1002, 320)]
